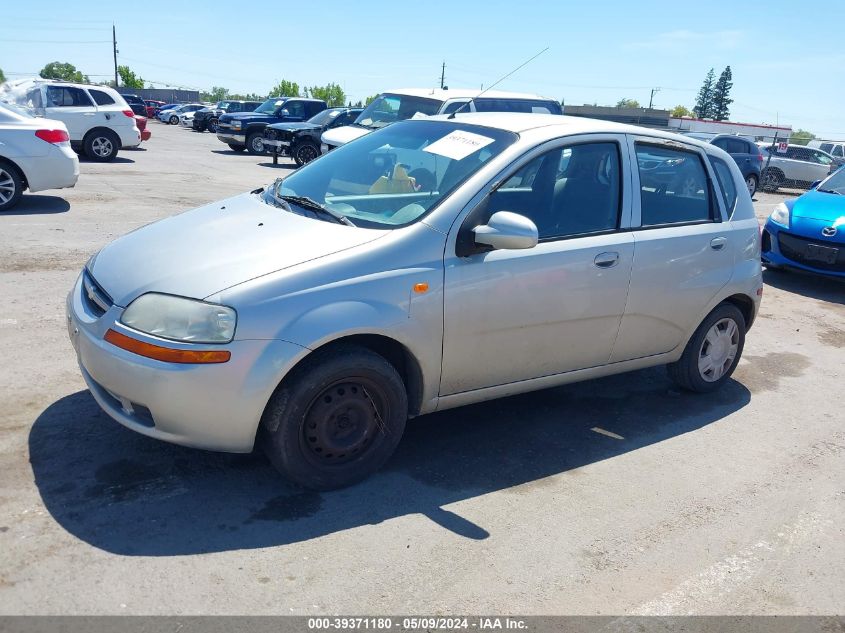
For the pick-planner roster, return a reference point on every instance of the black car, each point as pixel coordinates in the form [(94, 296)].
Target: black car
[(137, 104), (745, 153), (244, 130), (207, 119), (301, 141)]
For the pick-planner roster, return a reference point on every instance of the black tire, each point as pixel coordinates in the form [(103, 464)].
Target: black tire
[(255, 143), (173, 120), (336, 419), (304, 152), (211, 125), (101, 145), (687, 371), (752, 182), (236, 148), (11, 185), (772, 179)]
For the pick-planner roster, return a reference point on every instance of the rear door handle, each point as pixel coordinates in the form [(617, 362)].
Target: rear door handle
[(606, 260), (718, 243)]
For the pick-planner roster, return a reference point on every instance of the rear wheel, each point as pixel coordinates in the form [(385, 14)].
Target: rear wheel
[(305, 152), (211, 125), (772, 179), (751, 183), (336, 419), (255, 143), (713, 352), (11, 186), (101, 145)]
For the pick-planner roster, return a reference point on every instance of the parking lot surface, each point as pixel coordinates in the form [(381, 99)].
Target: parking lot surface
[(615, 496)]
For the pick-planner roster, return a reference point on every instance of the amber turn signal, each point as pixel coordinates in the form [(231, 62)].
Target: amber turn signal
[(166, 354), (421, 287)]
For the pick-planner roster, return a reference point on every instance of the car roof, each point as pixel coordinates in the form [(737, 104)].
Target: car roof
[(559, 125), (444, 94), (299, 98)]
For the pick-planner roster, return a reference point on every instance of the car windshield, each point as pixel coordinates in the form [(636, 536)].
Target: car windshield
[(9, 112), (324, 117), (269, 106), (834, 183), (389, 108), (393, 177)]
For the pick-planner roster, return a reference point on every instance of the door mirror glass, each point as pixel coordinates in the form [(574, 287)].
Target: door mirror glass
[(284, 112), (506, 230)]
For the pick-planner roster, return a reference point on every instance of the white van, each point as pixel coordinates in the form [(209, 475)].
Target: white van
[(98, 119), (409, 103)]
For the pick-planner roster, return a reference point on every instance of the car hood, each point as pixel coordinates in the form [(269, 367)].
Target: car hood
[(342, 135), (819, 206), (206, 250), (248, 116)]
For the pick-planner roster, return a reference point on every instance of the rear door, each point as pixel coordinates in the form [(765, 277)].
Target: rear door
[(73, 107), (683, 251)]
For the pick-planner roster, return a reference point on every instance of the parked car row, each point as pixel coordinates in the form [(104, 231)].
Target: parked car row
[(206, 119), (795, 166)]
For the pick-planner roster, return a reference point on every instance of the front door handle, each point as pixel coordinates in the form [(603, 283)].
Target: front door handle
[(606, 260), (718, 243)]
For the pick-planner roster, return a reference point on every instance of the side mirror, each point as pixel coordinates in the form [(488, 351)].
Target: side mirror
[(284, 112), (506, 230), (815, 184)]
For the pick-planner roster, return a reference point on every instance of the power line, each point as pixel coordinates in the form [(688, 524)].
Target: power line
[(59, 41)]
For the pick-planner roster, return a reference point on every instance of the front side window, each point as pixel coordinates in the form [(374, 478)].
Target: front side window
[(726, 183), (837, 151), (819, 157), (392, 177), (389, 108), (65, 97), (100, 97), (570, 191), (673, 186), (826, 147), (296, 109)]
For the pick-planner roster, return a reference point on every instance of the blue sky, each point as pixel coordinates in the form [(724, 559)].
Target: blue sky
[(787, 65)]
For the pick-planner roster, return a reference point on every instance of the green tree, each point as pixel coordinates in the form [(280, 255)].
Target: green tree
[(704, 102), (801, 137), (63, 71), (129, 79), (2, 76), (286, 88), (331, 93), (679, 111), (370, 99), (721, 96), (628, 103), (217, 93)]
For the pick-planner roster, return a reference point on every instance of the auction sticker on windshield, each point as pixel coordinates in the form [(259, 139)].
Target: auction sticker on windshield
[(458, 145)]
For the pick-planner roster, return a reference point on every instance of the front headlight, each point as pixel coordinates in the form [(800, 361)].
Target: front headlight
[(236, 125), (181, 319), (780, 215)]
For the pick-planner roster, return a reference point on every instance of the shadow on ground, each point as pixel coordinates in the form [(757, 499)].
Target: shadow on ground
[(822, 288), (35, 204), (130, 495), (118, 160)]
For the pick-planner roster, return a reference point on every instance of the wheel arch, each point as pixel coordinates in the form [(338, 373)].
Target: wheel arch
[(745, 305), (10, 162), (102, 128)]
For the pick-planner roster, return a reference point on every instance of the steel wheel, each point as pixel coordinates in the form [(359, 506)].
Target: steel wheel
[(718, 350), (8, 187), (342, 421), (102, 146), (751, 183)]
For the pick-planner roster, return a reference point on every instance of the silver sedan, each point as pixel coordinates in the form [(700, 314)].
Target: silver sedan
[(431, 264)]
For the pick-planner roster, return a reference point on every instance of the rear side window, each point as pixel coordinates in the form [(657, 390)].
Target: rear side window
[(837, 151), (673, 186), (736, 146), (825, 147), (65, 97), (100, 97), (726, 183), (516, 105)]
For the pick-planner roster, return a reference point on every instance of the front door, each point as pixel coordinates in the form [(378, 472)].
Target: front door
[(684, 251), (512, 315)]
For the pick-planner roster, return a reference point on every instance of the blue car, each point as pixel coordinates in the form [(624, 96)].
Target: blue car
[(808, 233)]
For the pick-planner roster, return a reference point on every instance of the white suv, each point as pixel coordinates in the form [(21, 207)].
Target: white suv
[(98, 119)]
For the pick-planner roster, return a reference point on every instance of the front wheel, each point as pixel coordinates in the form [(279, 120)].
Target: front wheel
[(305, 152), (211, 126), (255, 143), (713, 352), (174, 120), (336, 419)]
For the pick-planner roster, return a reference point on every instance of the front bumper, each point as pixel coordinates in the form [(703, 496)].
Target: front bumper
[(215, 407), (773, 253), (233, 138), (281, 146)]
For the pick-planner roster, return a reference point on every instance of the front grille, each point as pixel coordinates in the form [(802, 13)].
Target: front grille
[(96, 299), (796, 248)]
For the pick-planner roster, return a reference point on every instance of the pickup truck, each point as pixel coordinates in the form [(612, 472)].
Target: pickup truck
[(244, 130), (207, 119), (301, 141)]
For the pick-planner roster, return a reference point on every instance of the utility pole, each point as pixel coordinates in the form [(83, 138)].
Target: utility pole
[(651, 98), (114, 46), (442, 75)]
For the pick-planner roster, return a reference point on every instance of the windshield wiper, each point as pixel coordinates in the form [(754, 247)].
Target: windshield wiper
[(311, 205), (838, 193)]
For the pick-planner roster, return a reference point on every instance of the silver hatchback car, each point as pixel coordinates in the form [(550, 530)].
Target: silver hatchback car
[(431, 264)]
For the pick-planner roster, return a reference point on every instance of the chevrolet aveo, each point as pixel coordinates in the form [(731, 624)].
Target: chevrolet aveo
[(431, 264)]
